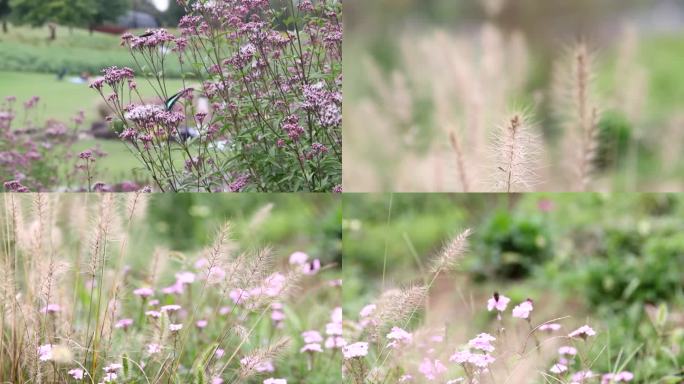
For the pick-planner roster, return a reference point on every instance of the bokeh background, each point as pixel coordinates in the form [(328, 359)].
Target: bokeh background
[(610, 260), (399, 81)]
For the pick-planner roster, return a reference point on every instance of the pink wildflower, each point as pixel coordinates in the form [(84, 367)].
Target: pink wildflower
[(312, 337), (154, 314), (482, 342), (567, 350), (522, 310), (76, 373), (275, 381), (298, 258), (175, 327), (123, 323), (431, 369), (170, 308), (358, 349), (51, 308), (558, 368), (582, 332), (201, 324), (549, 327), (314, 347), (153, 349), (500, 302), (45, 352), (144, 292)]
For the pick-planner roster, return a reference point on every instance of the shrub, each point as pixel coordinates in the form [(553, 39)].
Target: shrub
[(635, 268), (510, 246), (274, 122)]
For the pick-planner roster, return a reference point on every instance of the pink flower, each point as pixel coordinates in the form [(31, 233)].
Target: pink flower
[(367, 310), (582, 332), (123, 323), (314, 347), (460, 357), (358, 349), (216, 380), (545, 205), (312, 337), (76, 373), (312, 267), (567, 350), (275, 381), (144, 292), (185, 277), (45, 352), (219, 353), (431, 369), (274, 284), (201, 324), (335, 342), (481, 360), (500, 302), (399, 335), (549, 327), (215, 275), (153, 314), (175, 327), (623, 376), (170, 308), (482, 342), (257, 364), (336, 315), (558, 368), (522, 310), (111, 368), (51, 308), (175, 289), (298, 258), (153, 349), (582, 376)]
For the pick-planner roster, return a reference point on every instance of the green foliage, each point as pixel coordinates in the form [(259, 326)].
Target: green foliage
[(509, 246), (27, 50), (614, 137), (636, 267), (109, 10), (38, 12)]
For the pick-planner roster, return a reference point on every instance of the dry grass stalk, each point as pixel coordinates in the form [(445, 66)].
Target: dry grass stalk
[(516, 149)]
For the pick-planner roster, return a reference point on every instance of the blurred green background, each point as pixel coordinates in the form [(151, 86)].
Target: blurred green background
[(289, 222), (611, 258), (376, 30)]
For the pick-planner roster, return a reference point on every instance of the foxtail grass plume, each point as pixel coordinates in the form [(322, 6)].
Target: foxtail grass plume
[(516, 150), (576, 107), (452, 252), (396, 306)]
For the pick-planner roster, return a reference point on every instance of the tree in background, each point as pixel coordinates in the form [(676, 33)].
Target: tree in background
[(4, 12), (36, 13), (108, 10)]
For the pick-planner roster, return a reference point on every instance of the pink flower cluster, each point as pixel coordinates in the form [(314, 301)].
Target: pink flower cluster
[(152, 38)]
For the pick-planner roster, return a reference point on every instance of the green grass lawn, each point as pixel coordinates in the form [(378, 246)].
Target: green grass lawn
[(29, 62), (75, 50), (61, 100)]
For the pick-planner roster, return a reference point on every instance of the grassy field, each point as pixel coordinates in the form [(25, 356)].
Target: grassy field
[(28, 66), (61, 100), (76, 50)]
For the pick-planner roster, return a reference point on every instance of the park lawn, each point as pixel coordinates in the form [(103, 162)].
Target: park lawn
[(61, 100), (74, 50)]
